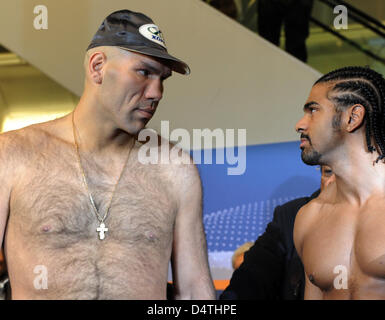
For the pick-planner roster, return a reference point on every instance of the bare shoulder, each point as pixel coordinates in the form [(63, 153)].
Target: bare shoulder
[(173, 161), (12, 145), (16, 142), (13, 153), (308, 211), (172, 164), (183, 168), (312, 209), (182, 172), (17, 146)]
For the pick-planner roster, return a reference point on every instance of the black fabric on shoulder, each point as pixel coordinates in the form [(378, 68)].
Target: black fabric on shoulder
[(271, 268)]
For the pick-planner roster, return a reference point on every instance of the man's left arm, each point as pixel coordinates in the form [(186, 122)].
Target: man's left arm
[(191, 274)]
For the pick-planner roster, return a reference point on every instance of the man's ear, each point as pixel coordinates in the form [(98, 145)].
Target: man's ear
[(355, 117), (95, 66)]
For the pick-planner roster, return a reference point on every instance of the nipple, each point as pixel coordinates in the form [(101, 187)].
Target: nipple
[(46, 228), (150, 235)]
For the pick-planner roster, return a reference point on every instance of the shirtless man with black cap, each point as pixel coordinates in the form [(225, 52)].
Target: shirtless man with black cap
[(340, 235), (84, 218)]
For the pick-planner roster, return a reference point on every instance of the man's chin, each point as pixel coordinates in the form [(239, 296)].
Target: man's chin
[(311, 158), (140, 123)]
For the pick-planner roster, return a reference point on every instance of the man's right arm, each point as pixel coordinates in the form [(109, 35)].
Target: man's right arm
[(302, 225), (6, 173), (4, 209), (312, 292)]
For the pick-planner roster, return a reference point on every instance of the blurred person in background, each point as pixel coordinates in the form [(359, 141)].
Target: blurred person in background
[(227, 7), (239, 254), (294, 15)]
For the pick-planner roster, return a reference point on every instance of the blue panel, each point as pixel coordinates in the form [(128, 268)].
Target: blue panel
[(238, 208)]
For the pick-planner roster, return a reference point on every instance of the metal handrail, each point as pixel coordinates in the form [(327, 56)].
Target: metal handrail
[(358, 16), (351, 42), (360, 13)]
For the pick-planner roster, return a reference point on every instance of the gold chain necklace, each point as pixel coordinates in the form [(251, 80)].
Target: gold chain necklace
[(102, 227)]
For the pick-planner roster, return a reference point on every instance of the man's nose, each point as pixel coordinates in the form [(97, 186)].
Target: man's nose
[(301, 125), (154, 90)]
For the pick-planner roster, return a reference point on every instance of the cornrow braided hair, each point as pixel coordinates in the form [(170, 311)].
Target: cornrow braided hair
[(361, 85)]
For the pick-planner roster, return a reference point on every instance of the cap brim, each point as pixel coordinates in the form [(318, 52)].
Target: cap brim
[(175, 64)]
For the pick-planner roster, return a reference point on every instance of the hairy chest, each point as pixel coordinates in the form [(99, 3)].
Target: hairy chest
[(52, 226), (51, 205)]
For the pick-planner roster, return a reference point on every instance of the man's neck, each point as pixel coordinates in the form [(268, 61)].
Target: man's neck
[(95, 132), (358, 176)]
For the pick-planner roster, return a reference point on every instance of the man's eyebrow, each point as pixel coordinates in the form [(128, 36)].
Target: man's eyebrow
[(155, 69), (309, 104)]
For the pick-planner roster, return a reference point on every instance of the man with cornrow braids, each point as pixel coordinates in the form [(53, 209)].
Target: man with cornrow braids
[(340, 235)]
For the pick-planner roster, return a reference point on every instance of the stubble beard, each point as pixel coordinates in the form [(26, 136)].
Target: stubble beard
[(311, 158)]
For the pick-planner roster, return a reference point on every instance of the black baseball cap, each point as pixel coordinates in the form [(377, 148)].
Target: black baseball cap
[(135, 32)]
